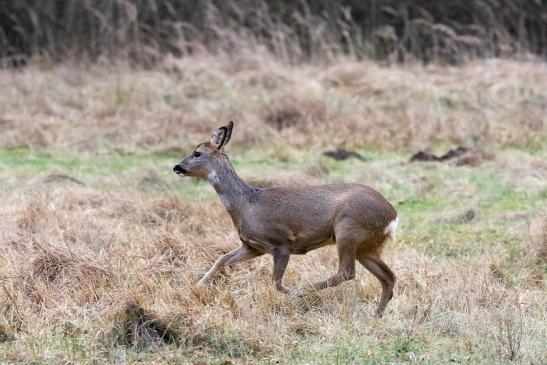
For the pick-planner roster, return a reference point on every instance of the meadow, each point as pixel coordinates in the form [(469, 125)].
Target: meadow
[(101, 244)]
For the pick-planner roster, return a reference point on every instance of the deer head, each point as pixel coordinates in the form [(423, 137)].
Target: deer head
[(207, 156)]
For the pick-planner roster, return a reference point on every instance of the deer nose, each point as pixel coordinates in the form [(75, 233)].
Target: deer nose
[(179, 170)]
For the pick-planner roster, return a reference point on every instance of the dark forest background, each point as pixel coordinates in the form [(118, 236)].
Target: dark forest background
[(449, 31)]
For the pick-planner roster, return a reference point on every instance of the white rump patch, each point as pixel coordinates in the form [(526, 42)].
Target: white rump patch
[(392, 227)]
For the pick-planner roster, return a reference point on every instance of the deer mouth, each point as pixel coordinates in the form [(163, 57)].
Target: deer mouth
[(179, 170)]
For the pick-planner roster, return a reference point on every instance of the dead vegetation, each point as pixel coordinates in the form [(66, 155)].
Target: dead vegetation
[(100, 247), (141, 329), (496, 102), (291, 113), (116, 269)]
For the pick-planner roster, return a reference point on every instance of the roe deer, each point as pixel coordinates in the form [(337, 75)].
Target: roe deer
[(285, 221)]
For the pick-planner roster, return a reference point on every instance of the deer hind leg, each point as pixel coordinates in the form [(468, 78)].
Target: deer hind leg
[(373, 263), (346, 246), (240, 254)]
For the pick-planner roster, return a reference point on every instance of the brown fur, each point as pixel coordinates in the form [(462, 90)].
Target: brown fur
[(285, 221)]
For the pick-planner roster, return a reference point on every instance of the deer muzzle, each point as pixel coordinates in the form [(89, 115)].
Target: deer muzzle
[(179, 170)]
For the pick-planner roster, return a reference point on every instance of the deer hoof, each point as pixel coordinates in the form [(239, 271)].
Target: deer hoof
[(289, 292), (379, 313), (201, 283), (295, 293)]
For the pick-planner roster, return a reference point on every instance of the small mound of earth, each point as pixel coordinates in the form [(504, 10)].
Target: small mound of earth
[(285, 179), (464, 216), (422, 156), (57, 178), (459, 155), (341, 154)]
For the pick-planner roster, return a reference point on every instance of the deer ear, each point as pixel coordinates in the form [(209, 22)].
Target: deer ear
[(221, 136)]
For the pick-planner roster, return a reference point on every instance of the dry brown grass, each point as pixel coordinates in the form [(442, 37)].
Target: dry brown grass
[(98, 263), (118, 269), (169, 108)]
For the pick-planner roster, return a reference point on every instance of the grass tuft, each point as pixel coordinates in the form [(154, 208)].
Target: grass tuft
[(141, 329)]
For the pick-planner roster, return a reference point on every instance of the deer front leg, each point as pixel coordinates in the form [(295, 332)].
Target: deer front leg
[(281, 259), (240, 254)]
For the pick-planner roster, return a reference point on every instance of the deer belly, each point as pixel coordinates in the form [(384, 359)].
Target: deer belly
[(303, 248), (258, 245)]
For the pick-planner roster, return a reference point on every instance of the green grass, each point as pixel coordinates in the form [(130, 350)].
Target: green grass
[(428, 213), (93, 165), (419, 191)]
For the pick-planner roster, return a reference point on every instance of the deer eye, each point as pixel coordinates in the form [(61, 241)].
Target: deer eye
[(197, 154)]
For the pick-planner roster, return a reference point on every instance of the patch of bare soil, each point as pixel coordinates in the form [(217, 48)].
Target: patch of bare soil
[(341, 154), (459, 155)]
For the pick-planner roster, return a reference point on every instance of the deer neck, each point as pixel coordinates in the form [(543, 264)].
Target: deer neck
[(234, 193)]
